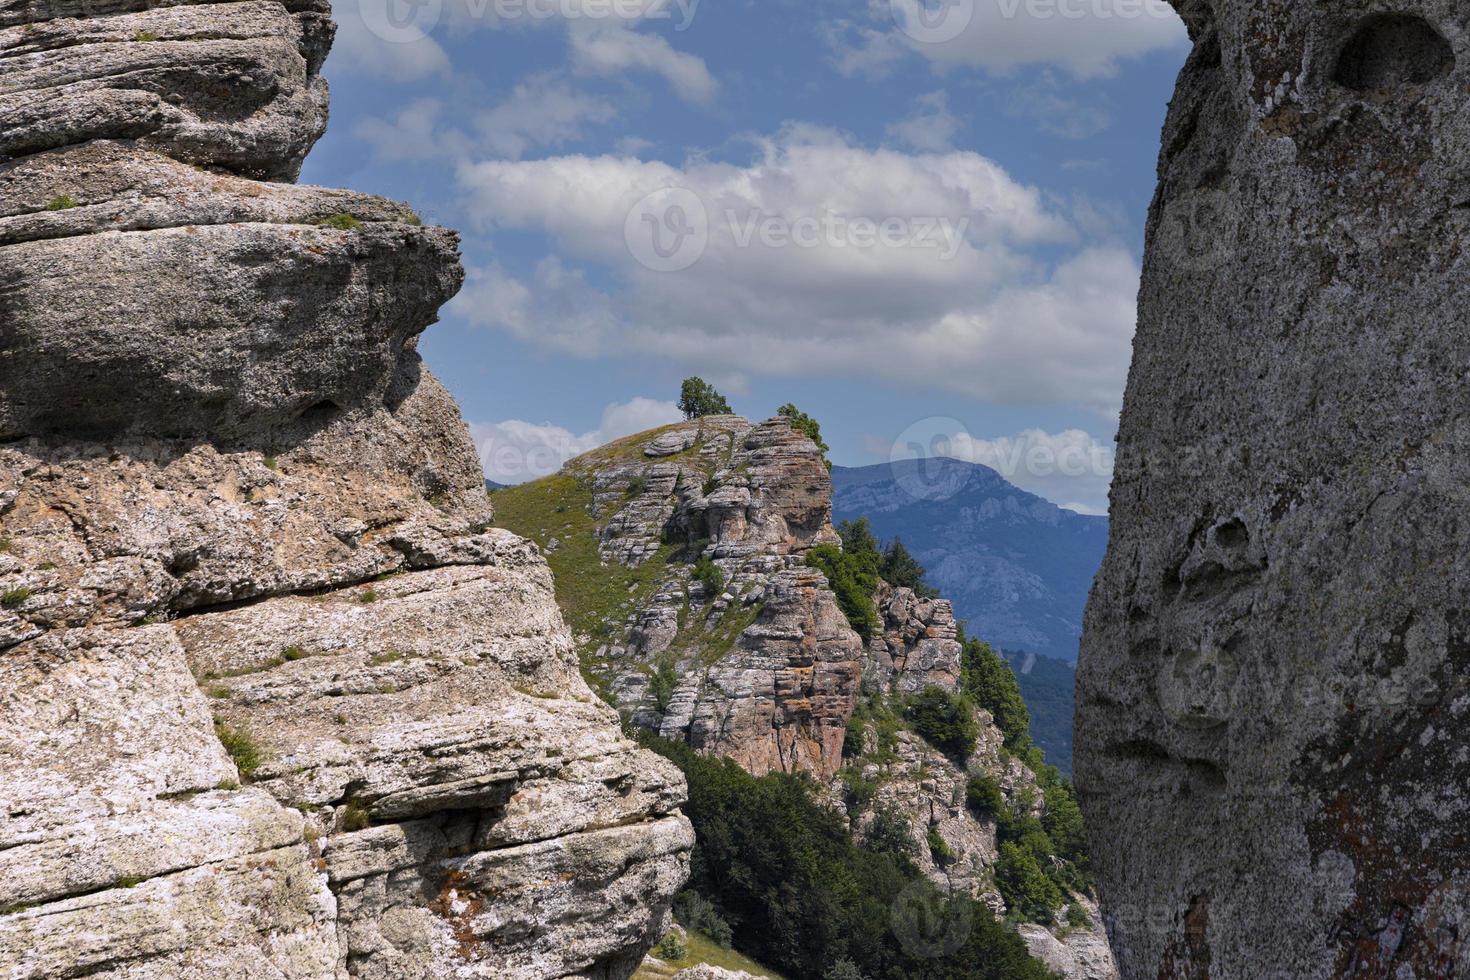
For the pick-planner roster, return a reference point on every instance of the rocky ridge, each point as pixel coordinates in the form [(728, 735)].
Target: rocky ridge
[(1275, 675), (278, 701), (760, 664)]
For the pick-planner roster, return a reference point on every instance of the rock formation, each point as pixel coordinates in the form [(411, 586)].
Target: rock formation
[(1275, 680), (766, 667), (760, 664), (275, 699)]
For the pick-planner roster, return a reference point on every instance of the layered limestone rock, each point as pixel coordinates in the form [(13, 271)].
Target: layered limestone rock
[(277, 701), (1275, 680), (762, 665)]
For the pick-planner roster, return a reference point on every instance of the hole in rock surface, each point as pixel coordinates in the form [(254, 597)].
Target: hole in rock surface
[(1390, 50)]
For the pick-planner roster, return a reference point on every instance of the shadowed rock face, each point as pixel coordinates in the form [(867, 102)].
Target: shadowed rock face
[(1275, 679), (275, 700)]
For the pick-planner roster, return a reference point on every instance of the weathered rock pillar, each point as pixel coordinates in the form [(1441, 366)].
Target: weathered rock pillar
[(1273, 737)]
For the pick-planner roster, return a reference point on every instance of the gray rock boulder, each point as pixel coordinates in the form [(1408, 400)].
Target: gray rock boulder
[(1273, 688), (275, 700)]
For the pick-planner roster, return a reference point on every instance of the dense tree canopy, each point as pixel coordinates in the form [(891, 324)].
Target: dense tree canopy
[(698, 398), (802, 898), (901, 570)]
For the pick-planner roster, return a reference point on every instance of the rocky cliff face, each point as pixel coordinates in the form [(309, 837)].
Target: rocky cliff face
[(275, 700), (756, 661), (1273, 694)]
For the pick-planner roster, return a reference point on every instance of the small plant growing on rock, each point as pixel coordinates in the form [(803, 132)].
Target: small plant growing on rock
[(939, 849), (637, 485), (341, 222), (14, 597), (62, 202), (355, 817), (671, 948), (241, 748), (294, 652), (270, 462), (708, 574), (218, 692), (983, 797), (145, 36), (6, 545), (665, 678), (367, 596)]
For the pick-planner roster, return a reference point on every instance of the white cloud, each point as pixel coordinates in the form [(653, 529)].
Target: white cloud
[(1085, 38), (514, 451), (1010, 305), (603, 48), (1070, 468), (541, 111), (931, 126), (370, 42), (414, 133)]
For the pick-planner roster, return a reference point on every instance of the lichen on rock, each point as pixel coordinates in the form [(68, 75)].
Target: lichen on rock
[(1272, 689), (277, 700)]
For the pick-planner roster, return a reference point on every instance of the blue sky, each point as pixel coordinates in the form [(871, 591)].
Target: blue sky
[(916, 222)]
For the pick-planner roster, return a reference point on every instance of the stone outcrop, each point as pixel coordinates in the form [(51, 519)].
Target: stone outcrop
[(1273, 692), (766, 669), (275, 699), (757, 662)]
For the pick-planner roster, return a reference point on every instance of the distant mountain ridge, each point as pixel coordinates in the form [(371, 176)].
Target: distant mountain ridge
[(1017, 567)]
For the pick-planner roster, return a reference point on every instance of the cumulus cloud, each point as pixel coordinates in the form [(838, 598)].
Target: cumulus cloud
[(371, 40), (1085, 38), (1069, 468), (602, 48), (514, 451), (983, 286), (930, 127)]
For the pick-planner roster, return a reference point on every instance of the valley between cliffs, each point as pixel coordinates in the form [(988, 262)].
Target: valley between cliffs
[(683, 561)]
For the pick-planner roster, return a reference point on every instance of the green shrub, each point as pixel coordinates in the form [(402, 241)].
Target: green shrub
[(367, 596), (1027, 891), (939, 849), (6, 545), (946, 721), (637, 485), (844, 969), (857, 793), (988, 680), (341, 222), (240, 747), (900, 569), (807, 426), (709, 575), (355, 816), (983, 797), (62, 202), (799, 895), (852, 584), (13, 598), (694, 911), (294, 652), (1077, 917), (671, 948), (661, 684), (888, 833)]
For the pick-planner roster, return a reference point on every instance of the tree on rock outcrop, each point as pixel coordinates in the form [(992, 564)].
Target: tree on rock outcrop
[(901, 570), (807, 426), (698, 398)]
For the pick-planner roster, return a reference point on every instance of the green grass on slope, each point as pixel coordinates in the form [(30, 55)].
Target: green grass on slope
[(595, 597), (702, 950)]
